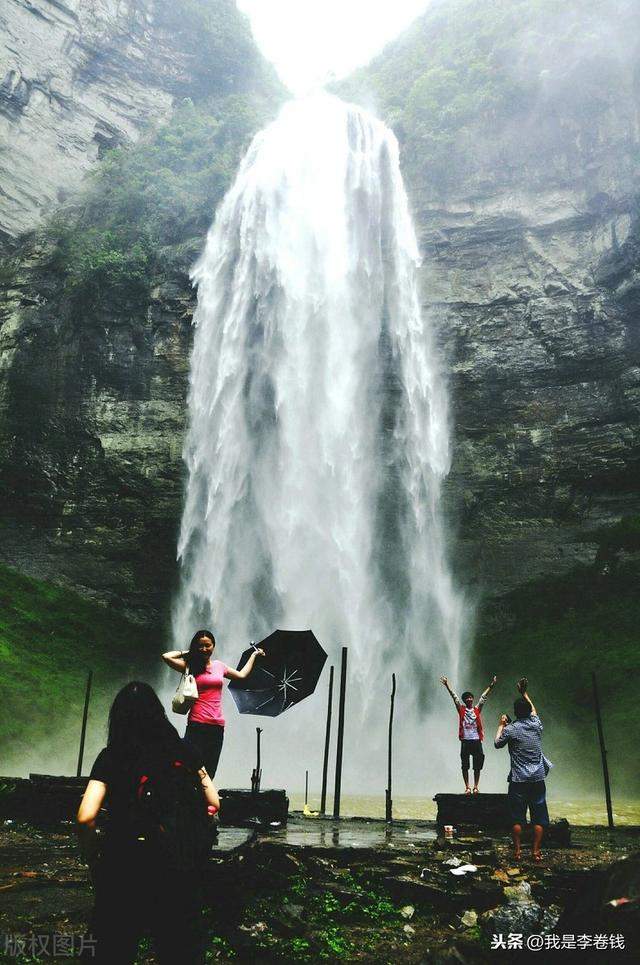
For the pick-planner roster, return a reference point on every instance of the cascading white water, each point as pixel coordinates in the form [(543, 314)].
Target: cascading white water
[(319, 431)]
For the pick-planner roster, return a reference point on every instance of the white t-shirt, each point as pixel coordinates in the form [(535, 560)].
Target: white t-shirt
[(469, 721)]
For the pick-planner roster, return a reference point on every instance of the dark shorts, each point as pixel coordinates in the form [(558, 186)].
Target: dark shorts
[(474, 750), (206, 740), (531, 795)]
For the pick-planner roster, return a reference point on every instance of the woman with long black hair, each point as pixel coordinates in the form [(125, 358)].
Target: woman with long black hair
[(205, 728), (146, 867)]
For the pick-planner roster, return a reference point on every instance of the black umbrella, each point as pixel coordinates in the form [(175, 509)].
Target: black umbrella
[(288, 672)]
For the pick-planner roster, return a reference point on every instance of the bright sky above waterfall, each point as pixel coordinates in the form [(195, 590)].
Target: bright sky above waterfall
[(308, 40)]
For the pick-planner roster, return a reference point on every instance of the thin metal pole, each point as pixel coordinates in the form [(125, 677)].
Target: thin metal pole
[(603, 751), (83, 730), (343, 687), (306, 787), (327, 738), (257, 774), (388, 801)]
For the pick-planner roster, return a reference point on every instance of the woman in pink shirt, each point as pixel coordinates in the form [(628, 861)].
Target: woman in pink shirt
[(205, 728)]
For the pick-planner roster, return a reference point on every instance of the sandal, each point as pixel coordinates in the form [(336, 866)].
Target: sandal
[(467, 790), (476, 790), (537, 857)]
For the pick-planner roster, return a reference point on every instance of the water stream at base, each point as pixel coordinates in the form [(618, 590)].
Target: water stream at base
[(319, 437)]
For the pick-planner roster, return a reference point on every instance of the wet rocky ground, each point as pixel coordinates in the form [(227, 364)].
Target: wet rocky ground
[(351, 890)]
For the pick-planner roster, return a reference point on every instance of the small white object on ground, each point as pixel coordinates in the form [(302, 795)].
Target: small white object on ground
[(470, 918), (409, 931), (464, 869), (454, 862), (407, 912)]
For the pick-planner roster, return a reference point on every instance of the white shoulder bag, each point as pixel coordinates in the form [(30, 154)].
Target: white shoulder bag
[(186, 694)]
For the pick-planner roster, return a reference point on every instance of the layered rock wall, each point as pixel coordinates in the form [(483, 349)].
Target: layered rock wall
[(78, 77), (94, 356), (531, 269), (538, 299)]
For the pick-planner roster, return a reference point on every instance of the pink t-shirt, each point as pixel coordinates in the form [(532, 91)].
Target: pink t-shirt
[(208, 707)]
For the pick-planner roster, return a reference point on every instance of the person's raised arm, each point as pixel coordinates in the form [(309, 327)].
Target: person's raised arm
[(248, 667), (501, 740), (452, 693), (176, 660), (522, 687), (488, 690)]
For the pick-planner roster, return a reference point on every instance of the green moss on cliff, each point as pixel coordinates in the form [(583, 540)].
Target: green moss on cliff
[(621, 536), (49, 639), (557, 632), (147, 207)]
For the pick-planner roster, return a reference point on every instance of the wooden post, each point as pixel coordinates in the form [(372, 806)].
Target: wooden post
[(257, 773), (306, 787), (83, 730), (343, 687), (603, 752), (327, 737), (388, 801)]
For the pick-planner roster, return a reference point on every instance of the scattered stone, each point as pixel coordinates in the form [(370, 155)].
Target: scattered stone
[(255, 930), (294, 911), (470, 918), (454, 862), (519, 892), (409, 931), (408, 911)]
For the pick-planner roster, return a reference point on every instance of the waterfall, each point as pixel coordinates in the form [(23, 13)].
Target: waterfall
[(318, 431)]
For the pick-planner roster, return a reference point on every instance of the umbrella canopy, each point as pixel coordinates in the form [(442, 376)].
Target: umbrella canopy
[(288, 672)]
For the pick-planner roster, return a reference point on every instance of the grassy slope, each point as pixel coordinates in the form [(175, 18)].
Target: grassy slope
[(49, 639), (558, 632)]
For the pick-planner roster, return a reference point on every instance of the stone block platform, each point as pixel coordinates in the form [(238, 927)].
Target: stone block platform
[(489, 812), (46, 799)]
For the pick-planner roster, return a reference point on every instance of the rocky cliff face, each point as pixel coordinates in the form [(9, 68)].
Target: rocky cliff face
[(95, 310), (91, 424), (82, 76), (538, 297), (528, 213)]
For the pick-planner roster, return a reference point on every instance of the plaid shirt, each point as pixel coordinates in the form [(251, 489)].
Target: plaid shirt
[(524, 737)]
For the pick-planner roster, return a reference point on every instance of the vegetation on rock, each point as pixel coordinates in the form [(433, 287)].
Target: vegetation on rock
[(477, 85), (147, 207), (50, 637), (558, 631)]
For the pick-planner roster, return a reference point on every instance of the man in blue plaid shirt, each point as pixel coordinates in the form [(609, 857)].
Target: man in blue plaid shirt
[(529, 767)]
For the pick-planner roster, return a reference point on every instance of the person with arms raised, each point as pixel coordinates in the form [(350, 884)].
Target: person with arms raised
[(470, 731), (529, 768)]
